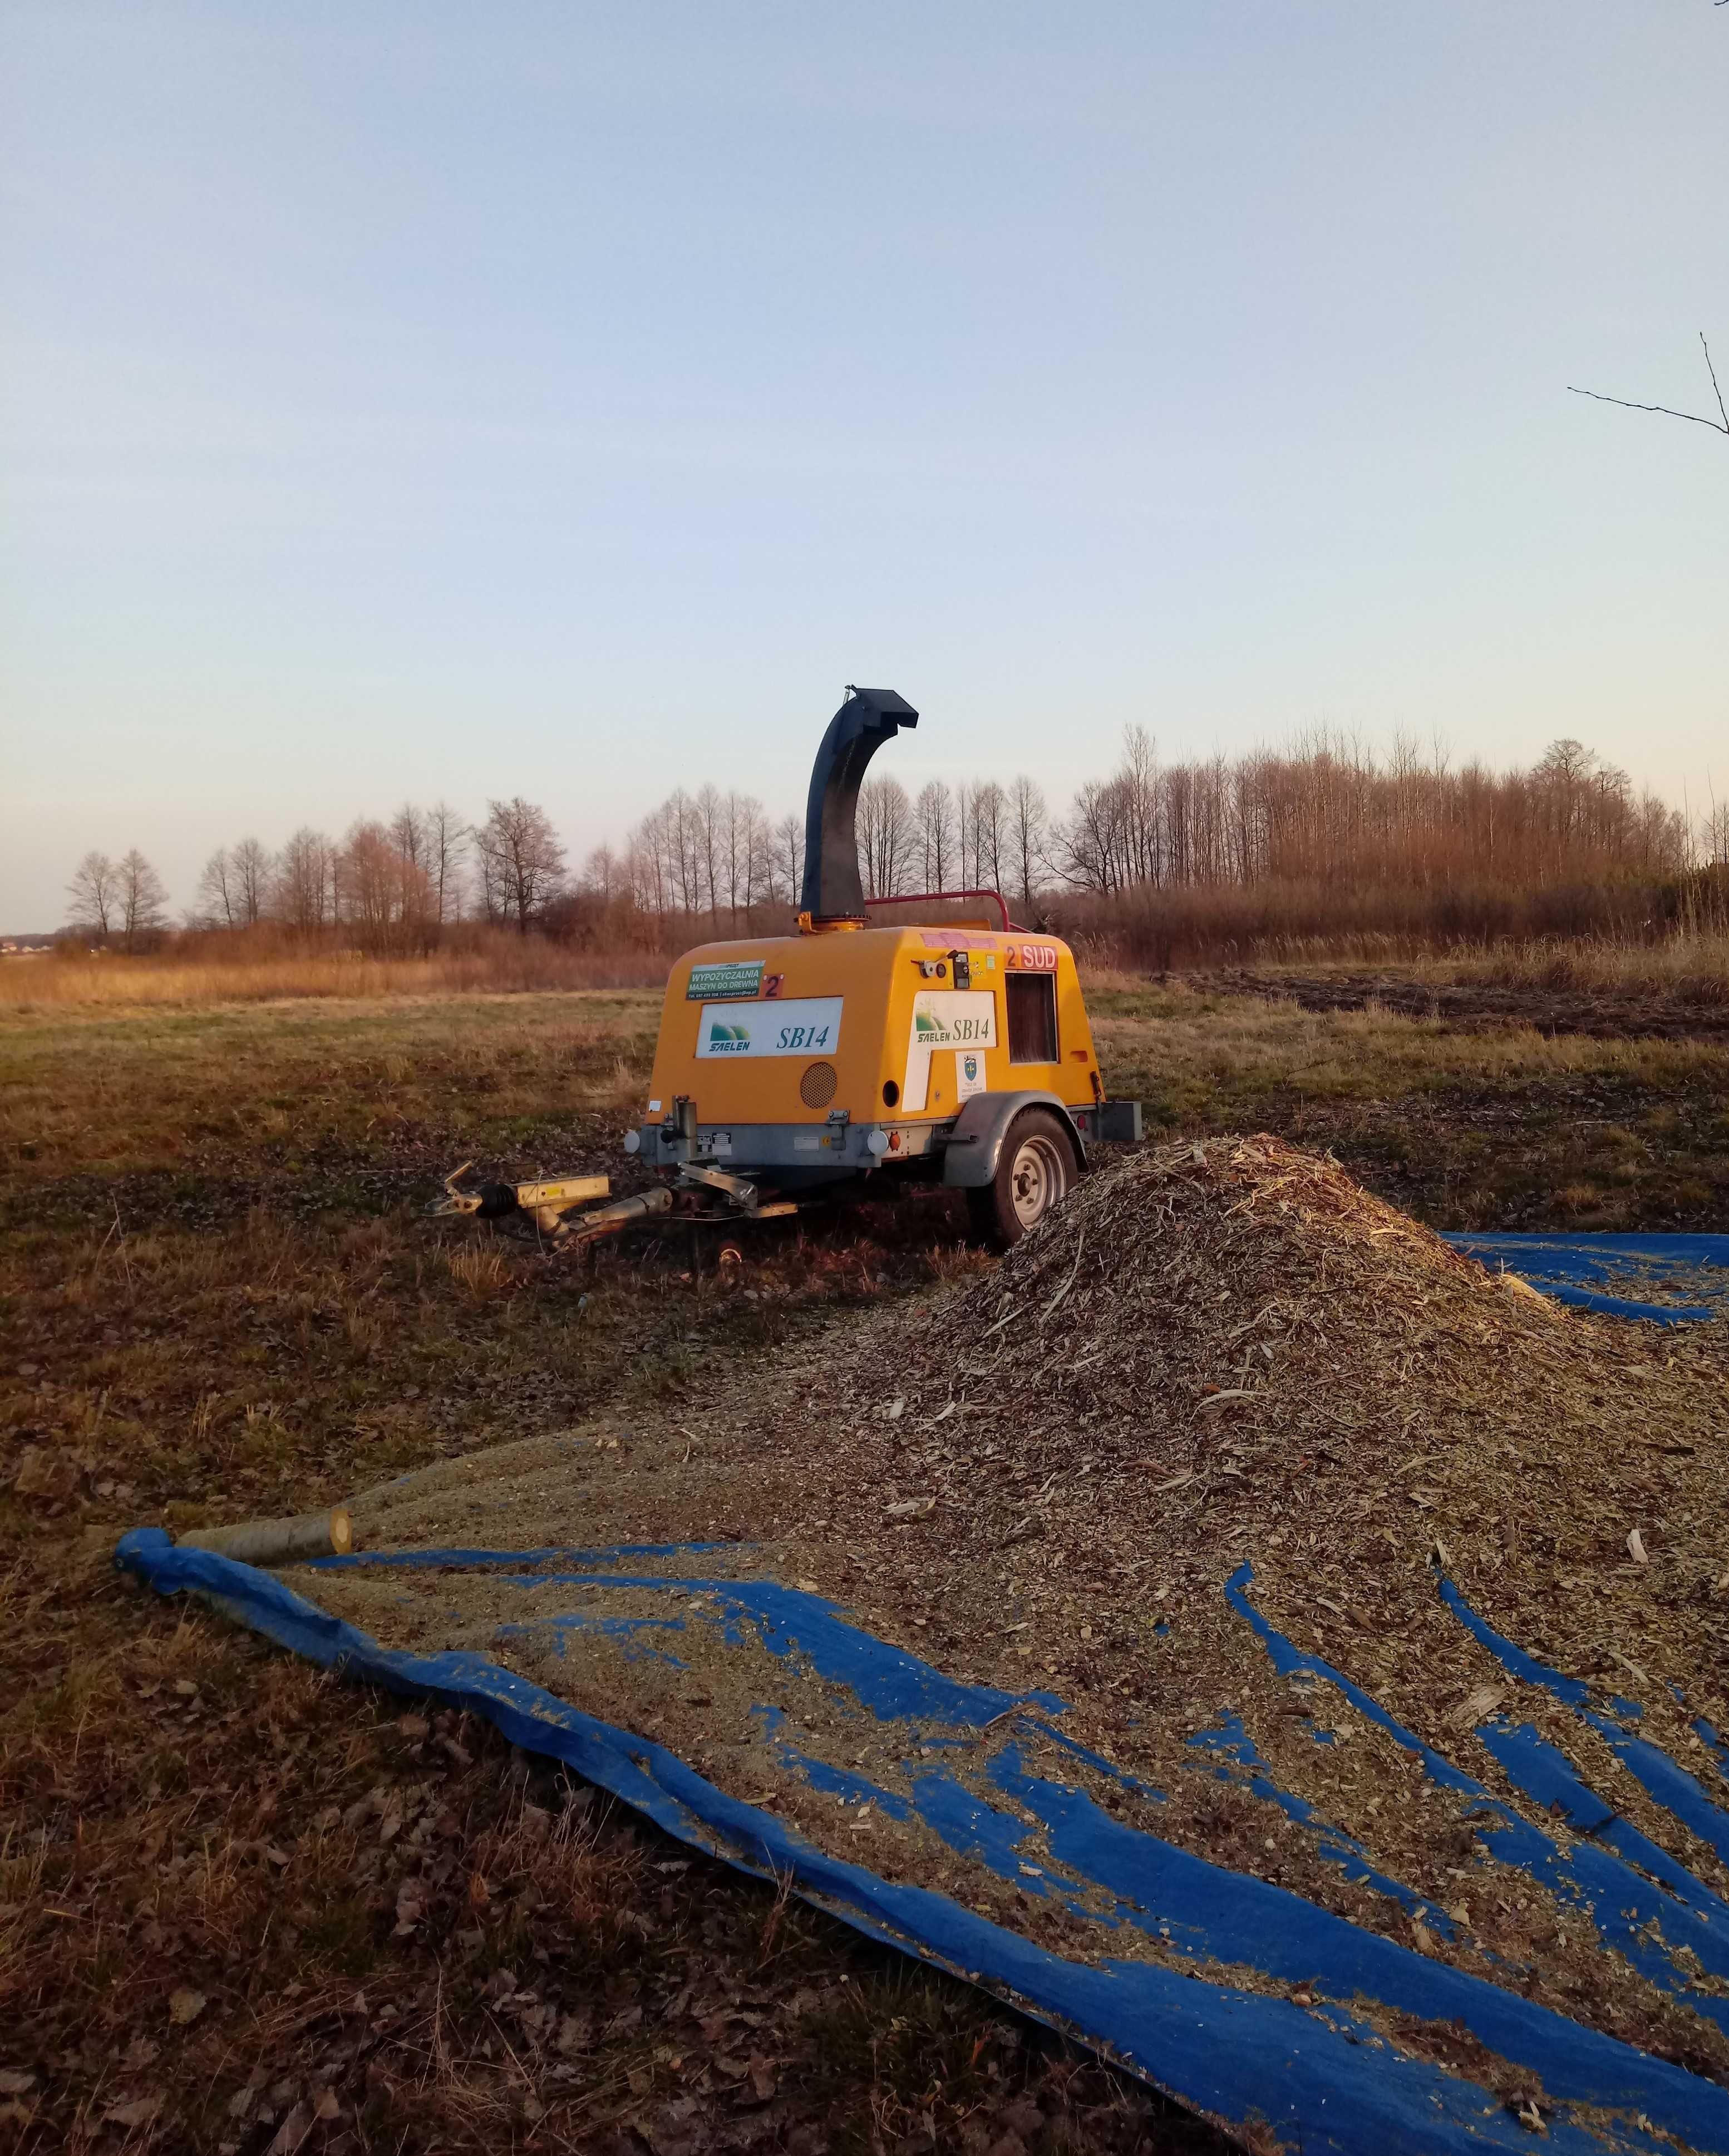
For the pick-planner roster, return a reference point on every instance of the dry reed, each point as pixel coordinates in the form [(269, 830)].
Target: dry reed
[(508, 966)]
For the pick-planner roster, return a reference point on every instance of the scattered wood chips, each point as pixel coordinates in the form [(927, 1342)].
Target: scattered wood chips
[(1213, 1357)]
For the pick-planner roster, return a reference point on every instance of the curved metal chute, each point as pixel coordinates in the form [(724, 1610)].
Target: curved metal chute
[(832, 890)]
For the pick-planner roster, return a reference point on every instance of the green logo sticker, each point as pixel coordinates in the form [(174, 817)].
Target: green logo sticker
[(726, 983)]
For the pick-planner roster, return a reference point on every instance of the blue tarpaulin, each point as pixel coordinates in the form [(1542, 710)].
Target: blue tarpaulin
[(1670, 1279), (1243, 1999)]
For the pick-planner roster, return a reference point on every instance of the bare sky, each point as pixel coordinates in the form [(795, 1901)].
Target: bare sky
[(416, 400)]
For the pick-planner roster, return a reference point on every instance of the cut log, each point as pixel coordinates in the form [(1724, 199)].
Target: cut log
[(274, 1542)]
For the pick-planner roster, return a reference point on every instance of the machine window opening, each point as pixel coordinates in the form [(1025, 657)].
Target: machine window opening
[(1032, 1017)]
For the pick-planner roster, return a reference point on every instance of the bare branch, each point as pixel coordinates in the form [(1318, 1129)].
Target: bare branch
[(1719, 426), (1709, 369)]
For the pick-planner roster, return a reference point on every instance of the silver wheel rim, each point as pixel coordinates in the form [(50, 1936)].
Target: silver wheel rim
[(1036, 1180)]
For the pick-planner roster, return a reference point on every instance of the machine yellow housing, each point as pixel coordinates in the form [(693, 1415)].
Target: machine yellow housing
[(894, 1026), (952, 1052)]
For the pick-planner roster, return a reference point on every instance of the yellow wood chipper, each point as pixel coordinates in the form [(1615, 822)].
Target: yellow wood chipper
[(786, 1066)]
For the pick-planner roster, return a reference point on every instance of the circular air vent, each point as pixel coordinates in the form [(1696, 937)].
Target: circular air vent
[(816, 1088)]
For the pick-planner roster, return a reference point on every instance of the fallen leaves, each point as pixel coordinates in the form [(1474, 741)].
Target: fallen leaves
[(138, 2111), (41, 1473)]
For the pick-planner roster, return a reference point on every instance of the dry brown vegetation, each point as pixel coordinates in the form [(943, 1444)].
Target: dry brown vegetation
[(267, 968), (1633, 926), (217, 1295), (1687, 970)]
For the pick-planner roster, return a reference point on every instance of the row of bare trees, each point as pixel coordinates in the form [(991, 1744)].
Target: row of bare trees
[(1328, 812), (975, 835), (703, 855), (123, 901), (717, 857), (387, 889), (393, 885), (1325, 814)]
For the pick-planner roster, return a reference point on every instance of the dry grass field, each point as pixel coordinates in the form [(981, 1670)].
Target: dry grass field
[(219, 1296), (197, 972)]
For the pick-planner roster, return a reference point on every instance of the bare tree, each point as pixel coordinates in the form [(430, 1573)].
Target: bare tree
[(521, 862), (447, 838), (935, 812), (887, 834), (93, 891), (1714, 833), (710, 845), (647, 854), (745, 853), (384, 898), (607, 875), (966, 843), (141, 900), (787, 878), (759, 862), (1720, 425), (303, 894), (249, 866), (219, 895), (685, 832), (409, 835), (1087, 849), (990, 833), (667, 848), (1029, 829)]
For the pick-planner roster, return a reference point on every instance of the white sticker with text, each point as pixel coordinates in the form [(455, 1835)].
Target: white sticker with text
[(802, 1025), (946, 1017)]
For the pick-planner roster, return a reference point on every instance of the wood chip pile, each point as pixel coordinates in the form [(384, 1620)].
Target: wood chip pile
[(1213, 1356)]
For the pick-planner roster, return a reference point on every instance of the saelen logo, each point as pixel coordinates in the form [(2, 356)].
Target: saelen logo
[(939, 1033)]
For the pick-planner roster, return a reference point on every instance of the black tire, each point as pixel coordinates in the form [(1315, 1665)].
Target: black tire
[(1036, 1170)]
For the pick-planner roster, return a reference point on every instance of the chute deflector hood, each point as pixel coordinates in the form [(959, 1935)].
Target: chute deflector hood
[(832, 891)]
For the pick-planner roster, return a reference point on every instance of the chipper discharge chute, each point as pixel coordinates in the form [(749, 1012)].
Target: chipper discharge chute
[(787, 1067)]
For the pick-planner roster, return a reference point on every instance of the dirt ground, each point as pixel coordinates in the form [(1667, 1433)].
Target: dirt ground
[(218, 1297), (1612, 1012)]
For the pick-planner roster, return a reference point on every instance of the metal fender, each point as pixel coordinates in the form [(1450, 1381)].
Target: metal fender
[(970, 1158)]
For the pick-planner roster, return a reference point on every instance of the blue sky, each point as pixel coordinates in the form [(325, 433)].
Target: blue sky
[(407, 400)]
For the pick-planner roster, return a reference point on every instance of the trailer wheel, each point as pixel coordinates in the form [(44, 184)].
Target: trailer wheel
[(1035, 1170)]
